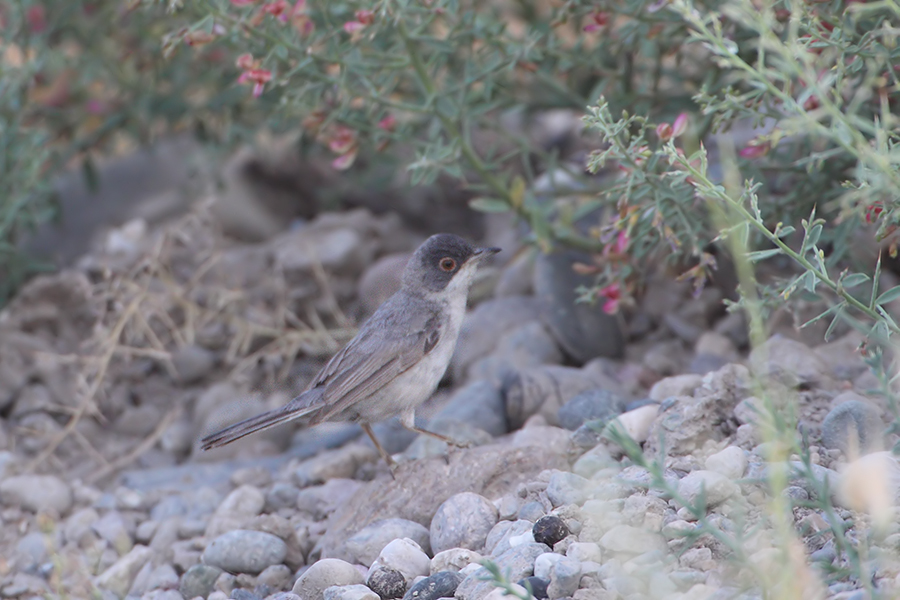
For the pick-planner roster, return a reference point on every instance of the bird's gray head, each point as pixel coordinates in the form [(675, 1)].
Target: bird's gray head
[(441, 260)]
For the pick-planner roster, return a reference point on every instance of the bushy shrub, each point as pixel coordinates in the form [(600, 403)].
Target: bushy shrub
[(415, 83)]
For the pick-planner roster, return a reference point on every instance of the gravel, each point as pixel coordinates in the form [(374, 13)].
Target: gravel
[(313, 514)]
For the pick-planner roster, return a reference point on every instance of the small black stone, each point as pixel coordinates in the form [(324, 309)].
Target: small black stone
[(538, 586), (442, 584), (549, 530), (387, 583)]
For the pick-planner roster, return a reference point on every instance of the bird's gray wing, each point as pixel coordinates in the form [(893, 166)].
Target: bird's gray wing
[(383, 349)]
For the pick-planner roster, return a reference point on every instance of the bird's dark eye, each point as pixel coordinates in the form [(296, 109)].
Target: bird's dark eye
[(447, 264)]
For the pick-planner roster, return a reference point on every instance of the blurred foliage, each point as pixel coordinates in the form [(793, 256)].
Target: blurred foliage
[(444, 87)]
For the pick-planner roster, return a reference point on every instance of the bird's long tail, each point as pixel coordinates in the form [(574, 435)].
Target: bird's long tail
[(289, 412)]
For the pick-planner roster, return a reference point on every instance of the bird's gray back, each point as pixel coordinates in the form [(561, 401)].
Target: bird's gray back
[(393, 340)]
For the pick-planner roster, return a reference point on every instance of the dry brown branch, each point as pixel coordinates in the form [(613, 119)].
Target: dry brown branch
[(88, 398), (167, 299)]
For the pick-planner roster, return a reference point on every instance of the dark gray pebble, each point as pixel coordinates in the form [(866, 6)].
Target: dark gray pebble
[(199, 580), (387, 583), (549, 530), (587, 436), (538, 586), (244, 595), (442, 584), (531, 511), (853, 427), (582, 329), (706, 363), (586, 406)]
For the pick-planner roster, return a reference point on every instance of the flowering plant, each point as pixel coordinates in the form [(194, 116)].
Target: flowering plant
[(418, 84)]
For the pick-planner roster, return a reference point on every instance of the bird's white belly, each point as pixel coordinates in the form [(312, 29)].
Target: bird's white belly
[(416, 385)]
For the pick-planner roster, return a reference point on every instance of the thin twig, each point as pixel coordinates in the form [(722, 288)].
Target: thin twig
[(147, 443)]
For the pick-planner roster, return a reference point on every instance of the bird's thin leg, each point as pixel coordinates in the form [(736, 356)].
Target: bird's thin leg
[(387, 457), (409, 421)]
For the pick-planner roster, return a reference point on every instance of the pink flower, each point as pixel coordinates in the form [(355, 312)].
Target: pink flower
[(366, 17), (873, 211), (258, 77), (664, 131), (245, 62), (598, 20), (613, 295), (278, 9), (37, 19), (342, 140), (388, 123), (352, 27), (679, 126), (344, 162), (755, 150), (641, 156), (300, 20)]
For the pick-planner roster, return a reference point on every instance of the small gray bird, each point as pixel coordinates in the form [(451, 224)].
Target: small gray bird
[(398, 357)]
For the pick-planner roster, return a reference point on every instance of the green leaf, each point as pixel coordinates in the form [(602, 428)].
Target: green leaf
[(834, 322), (809, 281), (812, 237), (763, 254), (785, 231), (489, 205), (888, 296), (823, 315), (854, 279)]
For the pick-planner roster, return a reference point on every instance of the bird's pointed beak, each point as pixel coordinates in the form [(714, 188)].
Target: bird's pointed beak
[(482, 253)]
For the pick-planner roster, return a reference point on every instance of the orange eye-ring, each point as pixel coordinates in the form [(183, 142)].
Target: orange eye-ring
[(447, 264)]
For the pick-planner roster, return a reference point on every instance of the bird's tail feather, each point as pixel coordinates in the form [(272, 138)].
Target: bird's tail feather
[(267, 420)]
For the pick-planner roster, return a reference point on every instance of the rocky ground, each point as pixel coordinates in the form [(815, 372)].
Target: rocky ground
[(112, 370)]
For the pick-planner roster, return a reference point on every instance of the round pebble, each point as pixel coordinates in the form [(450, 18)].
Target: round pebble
[(454, 559), (365, 545), (537, 585), (462, 521), (324, 574), (549, 530), (854, 427), (730, 462), (588, 406), (442, 584), (245, 551), (349, 592), (37, 493), (567, 488), (565, 576), (387, 583), (405, 556), (716, 487)]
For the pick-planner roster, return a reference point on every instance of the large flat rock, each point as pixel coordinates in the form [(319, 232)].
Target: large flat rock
[(422, 485)]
